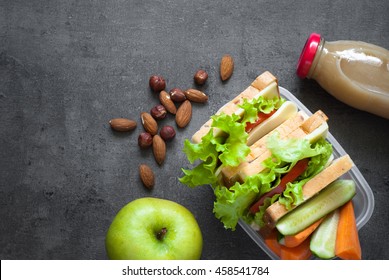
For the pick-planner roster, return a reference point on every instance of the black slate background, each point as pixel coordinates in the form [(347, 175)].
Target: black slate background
[(68, 67)]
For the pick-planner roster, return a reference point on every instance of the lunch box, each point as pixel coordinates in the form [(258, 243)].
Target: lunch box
[(363, 200)]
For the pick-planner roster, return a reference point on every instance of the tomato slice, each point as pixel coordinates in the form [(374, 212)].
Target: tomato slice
[(261, 118), (292, 175)]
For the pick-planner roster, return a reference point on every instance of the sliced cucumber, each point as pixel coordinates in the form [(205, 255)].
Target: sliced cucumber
[(323, 239), (331, 197)]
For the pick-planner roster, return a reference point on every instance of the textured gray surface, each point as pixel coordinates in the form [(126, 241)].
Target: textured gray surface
[(67, 67)]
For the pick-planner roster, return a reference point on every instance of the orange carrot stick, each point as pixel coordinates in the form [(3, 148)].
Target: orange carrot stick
[(272, 242), (295, 240), (347, 240), (300, 252)]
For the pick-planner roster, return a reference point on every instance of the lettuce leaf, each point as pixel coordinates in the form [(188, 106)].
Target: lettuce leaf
[(293, 149), (231, 204), (292, 196), (230, 149), (235, 149), (202, 174), (206, 152), (254, 106)]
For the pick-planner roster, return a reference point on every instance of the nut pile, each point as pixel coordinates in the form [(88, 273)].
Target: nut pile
[(176, 102)]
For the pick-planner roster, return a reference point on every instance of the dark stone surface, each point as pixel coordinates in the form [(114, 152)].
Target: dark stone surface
[(68, 67)]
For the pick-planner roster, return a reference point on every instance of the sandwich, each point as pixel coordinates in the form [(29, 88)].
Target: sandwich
[(259, 107), (262, 157)]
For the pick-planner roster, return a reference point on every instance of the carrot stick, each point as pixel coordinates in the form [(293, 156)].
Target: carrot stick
[(347, 240), (295, 240), (272, 242), (300, 252)]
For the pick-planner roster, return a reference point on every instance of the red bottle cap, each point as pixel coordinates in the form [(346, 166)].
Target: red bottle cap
[(307, 55)]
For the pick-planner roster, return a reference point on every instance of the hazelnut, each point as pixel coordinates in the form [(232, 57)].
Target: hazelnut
[(158, 112), (157, 83), (200, 77), (177, 95), (145, 140), (167, 132)]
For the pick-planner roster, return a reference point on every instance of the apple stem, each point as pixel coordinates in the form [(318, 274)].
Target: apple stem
[(161, 234)]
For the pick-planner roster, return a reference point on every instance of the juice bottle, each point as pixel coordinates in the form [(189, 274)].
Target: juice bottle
[(354, 72)]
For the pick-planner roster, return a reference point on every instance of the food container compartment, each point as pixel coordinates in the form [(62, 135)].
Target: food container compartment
[(363, 200)]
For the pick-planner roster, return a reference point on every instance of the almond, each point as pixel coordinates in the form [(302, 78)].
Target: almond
[(166, 101), (147, 176), (149, 123), (184, 114), (226, 67), (159, 149), (122, 124), (196, 95)]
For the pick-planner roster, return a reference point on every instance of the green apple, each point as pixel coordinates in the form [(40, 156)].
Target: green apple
[(154, 229)]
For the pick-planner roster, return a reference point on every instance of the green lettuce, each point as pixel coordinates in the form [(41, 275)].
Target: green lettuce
[(252, 107), (258, 217), (230, 149), (231, 203), (207, 153), (234, 150)]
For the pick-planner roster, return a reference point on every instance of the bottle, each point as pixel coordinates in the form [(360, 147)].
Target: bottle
[(354, 72)]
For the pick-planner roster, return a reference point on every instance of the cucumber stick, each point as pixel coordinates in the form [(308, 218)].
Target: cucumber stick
[(323, 239), (331, 197)]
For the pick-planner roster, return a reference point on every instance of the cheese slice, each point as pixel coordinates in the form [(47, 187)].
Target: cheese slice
[(336, 169), (286, 111)]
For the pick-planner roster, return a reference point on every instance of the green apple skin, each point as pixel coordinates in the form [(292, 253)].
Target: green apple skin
[(133, 234)]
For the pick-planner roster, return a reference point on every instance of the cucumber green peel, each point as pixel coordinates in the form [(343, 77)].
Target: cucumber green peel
[(333, 196), (323, 240)]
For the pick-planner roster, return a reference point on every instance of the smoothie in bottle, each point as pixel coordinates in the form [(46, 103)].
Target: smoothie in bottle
[(354, 72)]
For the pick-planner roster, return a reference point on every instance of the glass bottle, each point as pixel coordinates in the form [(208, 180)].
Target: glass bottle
[(354, 72)]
